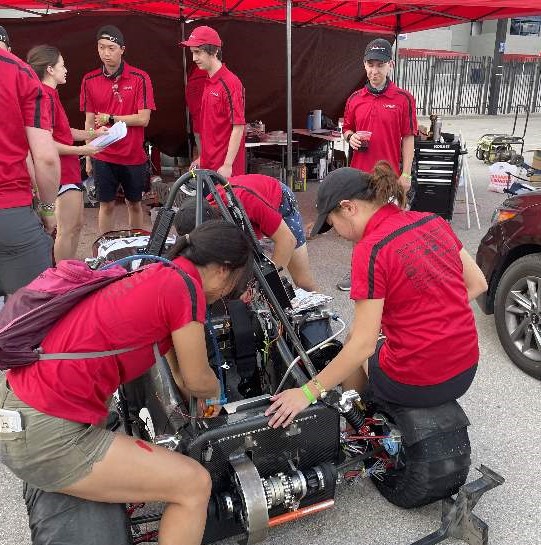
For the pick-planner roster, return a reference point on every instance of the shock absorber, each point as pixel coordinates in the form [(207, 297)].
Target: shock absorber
[(348, 406)]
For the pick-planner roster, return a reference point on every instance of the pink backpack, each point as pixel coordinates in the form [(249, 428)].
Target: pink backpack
[(31, 311)]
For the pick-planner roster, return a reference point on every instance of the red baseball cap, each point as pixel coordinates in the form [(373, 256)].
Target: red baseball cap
[(203, 35)]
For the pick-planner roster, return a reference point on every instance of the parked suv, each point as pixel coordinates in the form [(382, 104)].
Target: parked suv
[(510, 257)]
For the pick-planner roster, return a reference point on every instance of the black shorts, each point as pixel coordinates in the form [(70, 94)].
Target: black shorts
[(384, 387), (109, 176)]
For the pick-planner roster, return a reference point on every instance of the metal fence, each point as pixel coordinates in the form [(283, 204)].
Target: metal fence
[(455, 86)]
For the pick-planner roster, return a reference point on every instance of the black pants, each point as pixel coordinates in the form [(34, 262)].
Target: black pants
[(384, 387)]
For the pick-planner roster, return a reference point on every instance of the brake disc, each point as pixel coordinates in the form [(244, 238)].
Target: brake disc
[(254, 502)]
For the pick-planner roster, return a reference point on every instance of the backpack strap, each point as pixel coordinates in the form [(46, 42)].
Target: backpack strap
[(92, 355), (84, 355)]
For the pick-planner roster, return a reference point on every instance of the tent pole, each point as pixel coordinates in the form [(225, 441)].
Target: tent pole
[(396, 67), (289, 167), (185, 81)]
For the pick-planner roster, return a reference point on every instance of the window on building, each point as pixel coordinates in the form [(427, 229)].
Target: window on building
[(526, 26)]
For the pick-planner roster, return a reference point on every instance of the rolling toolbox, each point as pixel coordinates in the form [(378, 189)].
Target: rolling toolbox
[(435, 177)]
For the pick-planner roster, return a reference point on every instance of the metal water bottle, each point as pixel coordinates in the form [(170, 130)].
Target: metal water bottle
[(310, 121), (437, 129)]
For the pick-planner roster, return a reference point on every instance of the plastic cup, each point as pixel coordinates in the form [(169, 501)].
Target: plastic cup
[(364, 136)]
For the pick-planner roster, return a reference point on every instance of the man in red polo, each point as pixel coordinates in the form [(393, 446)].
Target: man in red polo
[(25, 247), (118, 92), (221, 120), (388, 113)]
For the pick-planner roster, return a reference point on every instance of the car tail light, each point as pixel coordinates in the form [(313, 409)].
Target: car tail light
[(503, 214)]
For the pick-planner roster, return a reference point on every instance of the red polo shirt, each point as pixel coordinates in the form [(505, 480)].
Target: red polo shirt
[(222, 106), (128, 93), (411, 260), (136, 311), (389, 116), (194, 93), (260, 196), (70, 169), (22, 105)]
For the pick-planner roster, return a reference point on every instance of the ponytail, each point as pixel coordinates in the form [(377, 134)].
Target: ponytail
[(385, 186)]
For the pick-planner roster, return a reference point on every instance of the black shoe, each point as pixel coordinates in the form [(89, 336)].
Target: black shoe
[(345, 283)]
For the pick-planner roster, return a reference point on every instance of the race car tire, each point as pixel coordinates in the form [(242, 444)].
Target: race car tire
[(58, 519), (434, 458)]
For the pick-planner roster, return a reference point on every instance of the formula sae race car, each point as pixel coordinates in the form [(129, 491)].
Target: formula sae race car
[(263, 477)]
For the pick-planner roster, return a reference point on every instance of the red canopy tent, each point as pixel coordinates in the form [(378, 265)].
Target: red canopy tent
[(377, 17)]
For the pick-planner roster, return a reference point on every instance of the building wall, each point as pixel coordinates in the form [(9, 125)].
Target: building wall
[(459, 38)]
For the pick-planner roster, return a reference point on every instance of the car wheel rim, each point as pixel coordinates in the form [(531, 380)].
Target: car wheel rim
[(523, 316)]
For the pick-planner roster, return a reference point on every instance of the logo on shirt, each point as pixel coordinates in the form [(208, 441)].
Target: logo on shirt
[(215, 93), (390, 106), (127, 88)]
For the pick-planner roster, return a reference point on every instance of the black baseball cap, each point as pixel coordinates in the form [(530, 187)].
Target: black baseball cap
[(4, 37), (340, 184), (378, 50), (112, 33)]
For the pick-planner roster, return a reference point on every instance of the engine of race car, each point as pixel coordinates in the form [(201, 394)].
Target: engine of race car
[(260, 475)]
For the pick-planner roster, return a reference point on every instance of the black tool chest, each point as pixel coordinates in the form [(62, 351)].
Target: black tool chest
[(435, 177)]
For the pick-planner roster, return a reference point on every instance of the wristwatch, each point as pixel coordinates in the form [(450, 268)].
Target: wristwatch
[(111, 119)]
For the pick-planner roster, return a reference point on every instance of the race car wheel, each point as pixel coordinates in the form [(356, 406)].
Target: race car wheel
[(517, 313), (429, 466)]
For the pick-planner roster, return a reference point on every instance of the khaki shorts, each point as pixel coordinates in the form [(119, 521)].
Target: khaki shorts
[(50, 453)]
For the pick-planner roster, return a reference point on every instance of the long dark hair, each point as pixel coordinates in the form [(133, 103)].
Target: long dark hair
[(220, 242), (42, 56)]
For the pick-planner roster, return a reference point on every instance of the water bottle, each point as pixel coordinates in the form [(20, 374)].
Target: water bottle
[(310, 121), (437, 129)]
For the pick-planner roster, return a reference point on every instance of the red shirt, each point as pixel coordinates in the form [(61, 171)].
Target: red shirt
[(389, 116), (195, 85), (261, 197), (411, 259), (136, 311), (128, 93), (222, 106), (22, 105), (70, 170)]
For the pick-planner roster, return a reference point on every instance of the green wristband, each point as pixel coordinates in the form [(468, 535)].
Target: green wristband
[(406, 175), (308, 394)]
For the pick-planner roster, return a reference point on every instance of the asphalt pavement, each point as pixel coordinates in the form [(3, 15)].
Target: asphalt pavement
[(503, 405)]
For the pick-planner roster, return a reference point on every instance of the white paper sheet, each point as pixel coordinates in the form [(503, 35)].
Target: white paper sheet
[(114, 134)]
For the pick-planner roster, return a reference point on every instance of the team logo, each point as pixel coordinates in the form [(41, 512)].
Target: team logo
[(390, 106), (128, 88), (215, 93)]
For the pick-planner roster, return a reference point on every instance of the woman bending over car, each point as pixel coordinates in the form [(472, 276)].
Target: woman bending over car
[(62, 403), (274, 212), (412, 279)]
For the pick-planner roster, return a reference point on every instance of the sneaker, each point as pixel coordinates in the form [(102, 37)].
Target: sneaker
[(345, 283)]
